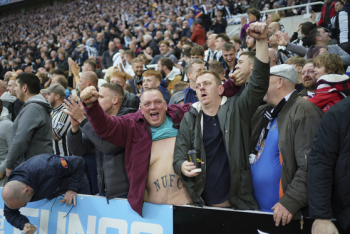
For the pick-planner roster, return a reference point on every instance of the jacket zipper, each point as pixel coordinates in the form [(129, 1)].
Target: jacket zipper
[(301, 222), (201, 146), (103, 179), (306, 161)]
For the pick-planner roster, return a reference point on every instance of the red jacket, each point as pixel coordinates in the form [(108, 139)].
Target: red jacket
[(325, 99), (133, 133), (331, 14), (198, 35), (331, 88)]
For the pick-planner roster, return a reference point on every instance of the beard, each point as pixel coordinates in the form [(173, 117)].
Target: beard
[(310, 86), (163, 74)]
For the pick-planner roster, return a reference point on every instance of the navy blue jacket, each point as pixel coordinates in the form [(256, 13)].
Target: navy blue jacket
[(227, 70), (49, 178)]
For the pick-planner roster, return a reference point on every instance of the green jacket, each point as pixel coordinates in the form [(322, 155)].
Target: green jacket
[(234, 116), (297, 124)]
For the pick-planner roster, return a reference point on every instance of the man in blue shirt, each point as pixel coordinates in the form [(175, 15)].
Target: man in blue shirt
[(281, 140)]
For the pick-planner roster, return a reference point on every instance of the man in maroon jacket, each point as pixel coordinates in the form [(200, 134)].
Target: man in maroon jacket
[(148, 137)]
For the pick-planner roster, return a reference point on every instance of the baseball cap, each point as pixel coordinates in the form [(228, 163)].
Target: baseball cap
[(55, 88), (286, 71), (81, 45)]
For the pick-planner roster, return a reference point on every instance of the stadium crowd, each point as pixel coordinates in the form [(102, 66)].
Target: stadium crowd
[(133, 87)]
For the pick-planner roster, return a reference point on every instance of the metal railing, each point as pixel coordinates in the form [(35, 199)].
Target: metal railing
[(263, 13)]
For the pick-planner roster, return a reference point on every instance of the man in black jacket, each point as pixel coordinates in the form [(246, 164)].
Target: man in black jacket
[(110, 159), (329, 163), (43, 176), (107, 56)]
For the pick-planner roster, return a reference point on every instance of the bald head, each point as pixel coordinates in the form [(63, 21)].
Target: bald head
[(111, 46), (88, 78), (7, 75), (16, 194), (273, 27)]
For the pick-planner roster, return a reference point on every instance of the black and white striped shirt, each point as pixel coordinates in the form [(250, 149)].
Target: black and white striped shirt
[(60, 125), (341, 22)]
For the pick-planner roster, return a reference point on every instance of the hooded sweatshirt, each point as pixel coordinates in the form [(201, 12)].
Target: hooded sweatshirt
[(5, 129), (172, 78), (12, 104), (31, 132)]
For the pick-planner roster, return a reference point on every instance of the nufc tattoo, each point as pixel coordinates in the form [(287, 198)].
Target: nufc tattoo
[(165, 182)]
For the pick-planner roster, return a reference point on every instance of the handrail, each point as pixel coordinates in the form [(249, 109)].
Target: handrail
[(280, 9)]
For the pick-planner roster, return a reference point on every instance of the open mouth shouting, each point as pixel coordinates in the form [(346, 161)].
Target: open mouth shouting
[(154, 116)]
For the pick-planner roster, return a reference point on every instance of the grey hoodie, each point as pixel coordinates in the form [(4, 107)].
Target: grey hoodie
[(5, 130), (7, 97), (12, 104), (169, 55), (31, 132)]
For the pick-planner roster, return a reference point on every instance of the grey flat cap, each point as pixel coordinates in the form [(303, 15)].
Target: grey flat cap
[(286, 71)]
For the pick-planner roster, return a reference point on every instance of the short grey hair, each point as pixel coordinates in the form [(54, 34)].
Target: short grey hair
[(188, 68), (147, 37)]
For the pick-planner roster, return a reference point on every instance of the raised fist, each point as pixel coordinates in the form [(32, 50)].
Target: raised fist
[(89, 95), (257, 31), (237, 77)]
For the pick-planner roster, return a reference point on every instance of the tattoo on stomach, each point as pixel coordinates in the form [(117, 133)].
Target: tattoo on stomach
[(164, 181)]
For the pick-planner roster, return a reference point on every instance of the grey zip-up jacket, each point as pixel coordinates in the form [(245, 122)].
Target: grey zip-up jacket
[(297, 124), (332, 49), (31, 132), (110, 159), (5, 130), (234, 115)]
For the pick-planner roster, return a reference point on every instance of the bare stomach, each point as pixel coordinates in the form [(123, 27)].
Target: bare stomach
[(163, 185)]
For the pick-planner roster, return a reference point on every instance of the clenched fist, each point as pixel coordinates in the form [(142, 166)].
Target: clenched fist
[(29, 228), (258, 31), (89, 95), (237, 77)]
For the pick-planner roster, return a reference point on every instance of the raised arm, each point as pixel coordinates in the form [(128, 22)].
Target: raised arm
[(345, 57), (297, 49), (114, 129), (101, 144), (258, 83), (77, 144)]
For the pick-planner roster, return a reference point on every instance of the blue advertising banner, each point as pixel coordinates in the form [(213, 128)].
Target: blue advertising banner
[(92, 215), (5, 2)]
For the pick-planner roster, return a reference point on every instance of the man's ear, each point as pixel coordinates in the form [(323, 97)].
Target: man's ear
[(280, 83), (115, 100), (24, 88), (299, 69), (251, 66), (221, 90)]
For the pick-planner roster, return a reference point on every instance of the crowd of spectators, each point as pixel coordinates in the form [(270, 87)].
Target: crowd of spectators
[(133, 86)]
